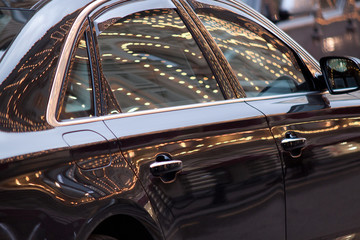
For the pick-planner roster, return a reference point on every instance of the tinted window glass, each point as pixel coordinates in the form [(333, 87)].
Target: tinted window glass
[(262, 63), (150, 61), (77, 100)]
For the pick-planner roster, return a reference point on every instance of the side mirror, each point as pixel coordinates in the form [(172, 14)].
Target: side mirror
[(341, 74)]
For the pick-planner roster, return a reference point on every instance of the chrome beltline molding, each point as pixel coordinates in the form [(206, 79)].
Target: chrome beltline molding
[(144, 112), (63, 60), (177, 108)]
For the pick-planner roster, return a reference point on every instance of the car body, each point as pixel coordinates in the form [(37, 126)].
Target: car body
[(150, 119)]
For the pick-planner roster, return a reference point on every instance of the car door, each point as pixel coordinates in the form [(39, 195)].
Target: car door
[(316, 133), (195, 150), (322, 172)]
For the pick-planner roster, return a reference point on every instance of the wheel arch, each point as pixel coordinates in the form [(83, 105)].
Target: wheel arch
[(122, 220), (123, 227)]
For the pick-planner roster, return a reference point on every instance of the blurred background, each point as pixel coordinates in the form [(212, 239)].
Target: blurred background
[(322, 27)]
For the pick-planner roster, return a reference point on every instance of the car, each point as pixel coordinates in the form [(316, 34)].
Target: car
[(184, 119)]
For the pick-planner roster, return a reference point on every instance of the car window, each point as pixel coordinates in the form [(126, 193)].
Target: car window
[(76, 99), (150, 60), (262, 63)]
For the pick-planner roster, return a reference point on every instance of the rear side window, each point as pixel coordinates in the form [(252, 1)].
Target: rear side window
[(150, 60)]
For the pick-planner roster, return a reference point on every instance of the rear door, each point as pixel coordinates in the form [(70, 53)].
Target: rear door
[(316, 133), (210, 165)]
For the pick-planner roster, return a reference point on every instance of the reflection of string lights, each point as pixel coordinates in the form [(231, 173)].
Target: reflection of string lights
[(195, 145), (107, 186), (136, 49), (213, 142), (29, 73)]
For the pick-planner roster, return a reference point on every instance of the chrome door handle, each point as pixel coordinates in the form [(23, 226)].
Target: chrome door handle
[(293, 144), (159, 169), (165, 167), (289, 144)]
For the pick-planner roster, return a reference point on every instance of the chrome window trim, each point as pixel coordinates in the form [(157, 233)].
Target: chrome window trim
[(63, 61), (298, 94), (177, 108), (145, 112)]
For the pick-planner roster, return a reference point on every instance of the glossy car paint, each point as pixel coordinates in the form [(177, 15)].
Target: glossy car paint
[(62, 180), (320, 182), (49, 194), (227, 177)]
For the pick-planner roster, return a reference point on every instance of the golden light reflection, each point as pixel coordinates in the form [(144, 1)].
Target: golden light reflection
[(93, 185), (147, 50), (191, 146)]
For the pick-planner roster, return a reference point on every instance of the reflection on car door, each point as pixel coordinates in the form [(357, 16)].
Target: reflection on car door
[(230, 183), (322, 176)]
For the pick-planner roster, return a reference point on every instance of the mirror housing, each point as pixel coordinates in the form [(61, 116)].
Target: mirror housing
[(341, 74)]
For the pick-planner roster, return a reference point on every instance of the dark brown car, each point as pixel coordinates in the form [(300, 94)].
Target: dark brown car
[(148, 119)]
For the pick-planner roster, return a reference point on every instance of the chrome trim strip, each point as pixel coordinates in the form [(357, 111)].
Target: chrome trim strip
[(146, 112), (289, 95), (63, 60), (177, 108), (344, 90)]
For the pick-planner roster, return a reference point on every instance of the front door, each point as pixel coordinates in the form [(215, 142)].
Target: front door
[(322, 165)]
